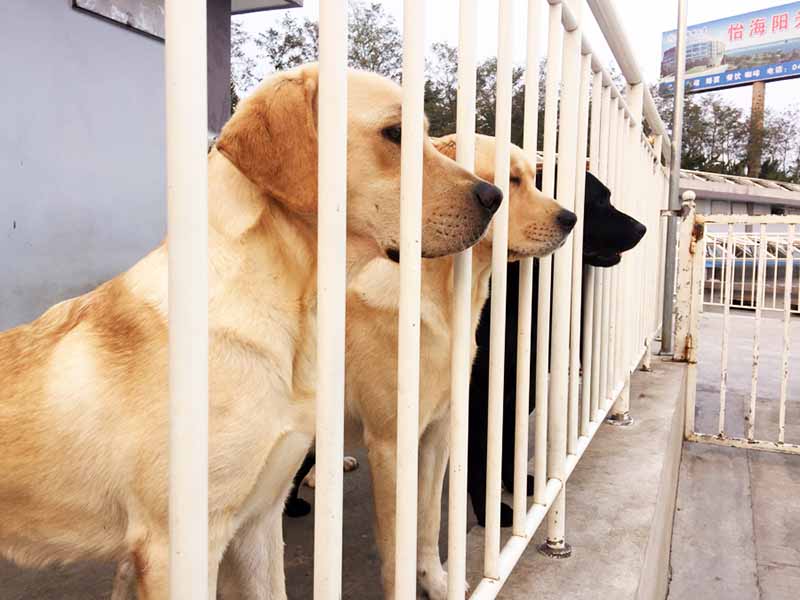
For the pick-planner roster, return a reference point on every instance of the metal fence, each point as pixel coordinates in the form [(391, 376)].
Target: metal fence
[(621, 311), (754, 273), (734, 255)]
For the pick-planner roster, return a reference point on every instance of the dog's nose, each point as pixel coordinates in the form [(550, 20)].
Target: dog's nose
[(640, 230), (488, 195), (566, 220)]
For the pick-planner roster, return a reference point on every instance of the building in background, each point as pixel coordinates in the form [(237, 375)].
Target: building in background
[(732, 195), (82, 142)]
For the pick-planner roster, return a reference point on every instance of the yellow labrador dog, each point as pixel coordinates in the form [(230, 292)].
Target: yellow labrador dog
[(538, 225), (84, 388)]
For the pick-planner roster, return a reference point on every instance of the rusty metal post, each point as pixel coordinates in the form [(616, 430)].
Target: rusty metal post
[(686, 250), (674, 182)]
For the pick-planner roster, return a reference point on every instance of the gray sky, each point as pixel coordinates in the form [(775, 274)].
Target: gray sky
[(644, 21)]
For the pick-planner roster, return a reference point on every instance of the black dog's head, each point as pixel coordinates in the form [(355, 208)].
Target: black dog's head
[(607, 232)]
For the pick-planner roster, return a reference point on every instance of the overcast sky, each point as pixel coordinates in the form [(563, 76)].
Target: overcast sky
[(644, 22)]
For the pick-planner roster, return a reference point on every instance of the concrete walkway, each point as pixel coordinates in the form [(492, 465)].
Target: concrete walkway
[(737, 525), (620, 502)]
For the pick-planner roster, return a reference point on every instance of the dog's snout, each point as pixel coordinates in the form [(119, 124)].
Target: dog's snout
[(566, 220), (639, 230), (488, 195)]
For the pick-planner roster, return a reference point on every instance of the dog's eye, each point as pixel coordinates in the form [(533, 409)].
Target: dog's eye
[(394, 134), (515, 180)]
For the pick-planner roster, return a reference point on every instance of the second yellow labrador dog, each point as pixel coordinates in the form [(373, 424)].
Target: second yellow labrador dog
[(84, 388), (537, 226)]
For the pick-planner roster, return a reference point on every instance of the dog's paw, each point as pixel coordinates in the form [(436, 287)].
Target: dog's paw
[(350, 463), (433, 580), (296, 508), (310, 480)]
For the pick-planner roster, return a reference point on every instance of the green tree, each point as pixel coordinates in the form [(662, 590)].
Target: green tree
[(243, 65), (291, 43), (375, 42)]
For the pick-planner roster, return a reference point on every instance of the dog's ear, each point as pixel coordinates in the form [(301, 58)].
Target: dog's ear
[(272, 138), (446, 145)]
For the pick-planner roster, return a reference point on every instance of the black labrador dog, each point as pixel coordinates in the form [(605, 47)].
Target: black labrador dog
[(607, 233)]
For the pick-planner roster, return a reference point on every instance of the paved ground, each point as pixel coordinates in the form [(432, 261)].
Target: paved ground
[(737, 525), (740, 359), (612, 506)]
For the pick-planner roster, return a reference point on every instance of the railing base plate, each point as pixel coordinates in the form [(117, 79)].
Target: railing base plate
[(621, 420), (562, 550)]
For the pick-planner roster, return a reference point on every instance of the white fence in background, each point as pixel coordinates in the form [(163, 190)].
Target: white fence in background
[(757, 271), (734, 255), (621, 312)]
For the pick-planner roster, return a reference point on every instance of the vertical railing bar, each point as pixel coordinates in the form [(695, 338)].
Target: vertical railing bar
[(462, 317), (775, 278), (592, 289), (719, 246), (541, 425), (607, 338), (599, 338), (609, 330), (576, 417), (726, 317), (562, 265), (616, 294), (410, 284), (331, 290), (187, 244), (798, 290), (743, 246), (753, 296), (524, 317), (759, 302), (787, 317), (498, 300), (713, 271), (617, 297)]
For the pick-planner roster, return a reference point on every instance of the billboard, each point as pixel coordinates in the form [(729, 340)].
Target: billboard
[(761, 45)]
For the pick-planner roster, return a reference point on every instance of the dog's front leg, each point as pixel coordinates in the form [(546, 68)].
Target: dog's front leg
[(433, 453), (124, 580), (382, 453), (252, 567), (150, 562)]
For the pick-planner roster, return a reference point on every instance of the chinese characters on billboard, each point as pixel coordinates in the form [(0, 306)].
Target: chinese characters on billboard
[(756, 46)]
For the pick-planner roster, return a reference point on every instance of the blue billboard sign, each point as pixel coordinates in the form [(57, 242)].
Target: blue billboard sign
[(761, 45)]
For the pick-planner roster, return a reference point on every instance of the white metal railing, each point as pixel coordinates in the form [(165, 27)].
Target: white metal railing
[(734, 255), (621, 312), (715, 254), (187, 239), (331, 284)]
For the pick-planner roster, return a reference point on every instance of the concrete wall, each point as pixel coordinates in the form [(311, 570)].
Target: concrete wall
[(82, 148), (81, 153), (219, 63)]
